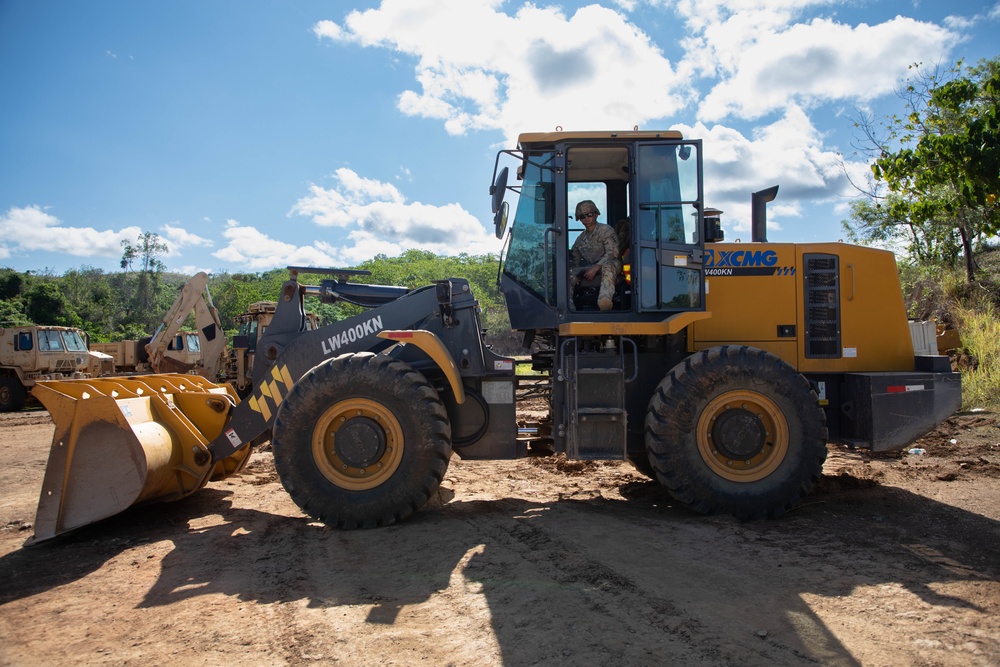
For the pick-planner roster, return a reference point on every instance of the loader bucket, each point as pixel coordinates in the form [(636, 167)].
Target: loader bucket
[(122, 441)]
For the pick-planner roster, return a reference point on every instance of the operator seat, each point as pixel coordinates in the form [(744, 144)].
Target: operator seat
[(586, 292)]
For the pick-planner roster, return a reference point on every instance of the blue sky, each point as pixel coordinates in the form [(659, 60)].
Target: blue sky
[(261, 134)]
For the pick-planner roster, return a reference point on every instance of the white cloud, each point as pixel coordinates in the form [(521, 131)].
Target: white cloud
[(789, 153), (178, 237), (192, 269), (966, 22), (521, 67), (328, 29), (766, 14), (959, 22), (534, 70), (253, 250), (815, 62), (380, 220), (33, 229)]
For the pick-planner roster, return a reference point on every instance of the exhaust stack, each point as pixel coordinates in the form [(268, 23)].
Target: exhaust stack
[(758, 213)]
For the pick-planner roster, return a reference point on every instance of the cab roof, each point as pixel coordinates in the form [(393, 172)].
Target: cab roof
[(535, 138)]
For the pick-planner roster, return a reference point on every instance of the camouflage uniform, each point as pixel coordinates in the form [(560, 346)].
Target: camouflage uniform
[(597, 247)]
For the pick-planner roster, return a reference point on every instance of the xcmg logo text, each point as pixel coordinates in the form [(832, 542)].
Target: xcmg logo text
[(740, 258)]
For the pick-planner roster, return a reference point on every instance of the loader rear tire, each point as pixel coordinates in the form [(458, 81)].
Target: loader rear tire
[(736, 430), (12, 394), (642, 465), (362, 440)]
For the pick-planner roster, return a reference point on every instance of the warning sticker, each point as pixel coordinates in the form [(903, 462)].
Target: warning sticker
[(498, 393)]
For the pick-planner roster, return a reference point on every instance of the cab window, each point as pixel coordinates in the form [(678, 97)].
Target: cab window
[(527, 263), (24, 342), (668, 195)]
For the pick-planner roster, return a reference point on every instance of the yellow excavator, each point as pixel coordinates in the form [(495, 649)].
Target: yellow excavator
[(721, 370)]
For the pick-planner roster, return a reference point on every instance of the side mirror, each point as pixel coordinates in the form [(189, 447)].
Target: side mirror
[(500, 219), (498, 189)]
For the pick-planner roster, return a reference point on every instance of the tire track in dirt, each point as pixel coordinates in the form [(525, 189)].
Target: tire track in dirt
[(634, 624)]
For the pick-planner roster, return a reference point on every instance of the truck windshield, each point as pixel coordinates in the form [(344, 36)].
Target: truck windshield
[(535, 214), (74, 341), (49, 340)]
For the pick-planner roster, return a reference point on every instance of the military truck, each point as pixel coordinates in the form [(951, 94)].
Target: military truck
[(30, 353)]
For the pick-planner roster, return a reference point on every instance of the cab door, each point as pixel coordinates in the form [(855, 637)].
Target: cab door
[(667, 226)]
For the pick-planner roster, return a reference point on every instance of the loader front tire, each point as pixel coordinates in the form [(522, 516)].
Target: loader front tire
[(12, 394), (736, 430), (362, 440)]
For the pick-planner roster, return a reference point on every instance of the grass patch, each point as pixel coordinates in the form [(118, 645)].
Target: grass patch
[(980, 331)]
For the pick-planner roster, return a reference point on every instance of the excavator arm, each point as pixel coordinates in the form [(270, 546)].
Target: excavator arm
[(194, 295)]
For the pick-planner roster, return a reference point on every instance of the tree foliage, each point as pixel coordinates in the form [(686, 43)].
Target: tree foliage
[(937, 170), (105, 304), (142, 293)]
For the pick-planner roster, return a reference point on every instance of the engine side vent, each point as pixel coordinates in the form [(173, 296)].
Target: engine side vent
[(822, 296)]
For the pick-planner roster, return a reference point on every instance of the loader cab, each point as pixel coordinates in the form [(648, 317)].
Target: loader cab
[(646, 185)]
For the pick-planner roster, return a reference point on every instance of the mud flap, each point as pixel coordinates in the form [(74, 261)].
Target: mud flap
[(123, 441)]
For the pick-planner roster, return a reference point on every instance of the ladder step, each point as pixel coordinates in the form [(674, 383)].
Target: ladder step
[(600, 411)]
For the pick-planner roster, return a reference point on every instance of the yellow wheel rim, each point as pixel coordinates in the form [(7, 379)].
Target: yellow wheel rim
[(357, 444), (742, 436)]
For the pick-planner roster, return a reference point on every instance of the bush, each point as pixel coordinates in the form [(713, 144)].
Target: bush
[(980, 332)]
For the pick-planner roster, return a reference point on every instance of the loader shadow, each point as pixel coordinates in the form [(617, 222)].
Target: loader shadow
[(617, 582), (74, 555), (579, 580)]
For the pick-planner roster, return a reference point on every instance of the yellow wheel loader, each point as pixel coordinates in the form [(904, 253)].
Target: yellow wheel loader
[(721, 369)]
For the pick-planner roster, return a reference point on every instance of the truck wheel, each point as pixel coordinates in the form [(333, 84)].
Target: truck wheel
[(736, 430), (12, 394), (362, 440)]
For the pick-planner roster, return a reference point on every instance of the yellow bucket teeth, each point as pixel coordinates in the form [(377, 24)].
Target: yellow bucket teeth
[(123, 441)]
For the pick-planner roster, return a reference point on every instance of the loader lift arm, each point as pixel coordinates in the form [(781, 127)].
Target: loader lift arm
[(424, 319), (163, 437)]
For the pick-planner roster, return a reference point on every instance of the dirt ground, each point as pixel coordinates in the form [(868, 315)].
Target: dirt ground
[(891, 561)]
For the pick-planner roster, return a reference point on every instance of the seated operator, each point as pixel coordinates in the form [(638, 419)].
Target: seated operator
[(595, 252)]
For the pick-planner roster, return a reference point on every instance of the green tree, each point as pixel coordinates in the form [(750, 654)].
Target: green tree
[(142, 302), (94, 299), (940, 165), (11, 284), (46, 304), (12, 312), (233, 293)]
